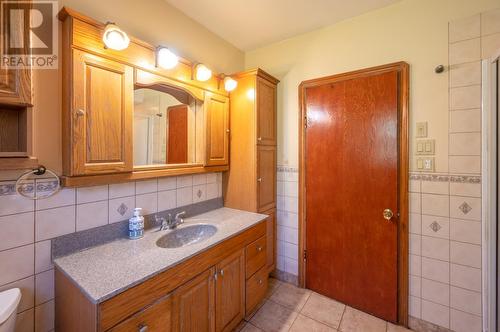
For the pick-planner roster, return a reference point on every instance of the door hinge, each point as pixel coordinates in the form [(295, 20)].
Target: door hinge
[(305, 254), (306, 122)]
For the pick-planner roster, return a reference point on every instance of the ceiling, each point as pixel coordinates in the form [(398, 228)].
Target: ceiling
[(249, 24)]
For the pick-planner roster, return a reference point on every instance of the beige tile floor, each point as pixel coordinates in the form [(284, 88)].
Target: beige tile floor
[(289, 308)]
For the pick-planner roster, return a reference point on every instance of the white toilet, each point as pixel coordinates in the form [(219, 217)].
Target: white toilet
[(9, 300)]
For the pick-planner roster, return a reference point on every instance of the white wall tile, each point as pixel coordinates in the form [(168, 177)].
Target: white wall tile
[(434, 269), (467, 208), (65, 197), (184, 181), (292, 204), (54, 222), (465, 28), (27, 287), (184, 196), (436, 313), (436, 292), (168, 183), (490, 45), (436, 226), (17, 230), (121, 190), (415, 286), (415, 265), (490, 22), (465, 144), (465, 74), (435, 187), (167, 200), (118, 212), (465, 254), (148, 203), (415, 202), (465, 164), (44, 287), (465, 189), (291, 189), (415, 244), (25, 321), (291, 266), (11, 204), (465, 51), (464, 322), (91, 194), (199, 193), (435, 248), (146, 186), (17, 263), (465, 300), (415, 223), (288, 219), (44, 317), (199, 179), (212, 191), (468, 97), (91, 215), (291, 251), (435, 205), (465, 121), (212, 177), (415, 305), (43, 256), (465, 277), (414, 186), (465, 231)]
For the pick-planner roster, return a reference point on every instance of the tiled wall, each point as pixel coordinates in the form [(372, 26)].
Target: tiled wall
[(26, 228), (287, 219)]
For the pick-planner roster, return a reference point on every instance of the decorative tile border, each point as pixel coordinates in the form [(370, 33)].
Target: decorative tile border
[(475, 179), (287, 169), (9, 188)]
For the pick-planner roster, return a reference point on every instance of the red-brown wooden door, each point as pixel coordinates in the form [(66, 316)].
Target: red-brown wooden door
[(177, 141), (351, 163)]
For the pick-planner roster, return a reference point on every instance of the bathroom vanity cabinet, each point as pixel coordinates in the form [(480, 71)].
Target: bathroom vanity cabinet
[(211, 291)]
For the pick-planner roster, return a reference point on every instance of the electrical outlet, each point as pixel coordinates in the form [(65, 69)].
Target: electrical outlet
[(421, 130), (426, 147), (426, 164)]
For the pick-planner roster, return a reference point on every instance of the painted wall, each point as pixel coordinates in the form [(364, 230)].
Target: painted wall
[(415, 31)]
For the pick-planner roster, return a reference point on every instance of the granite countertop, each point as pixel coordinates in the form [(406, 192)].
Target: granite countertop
[(106, 270)]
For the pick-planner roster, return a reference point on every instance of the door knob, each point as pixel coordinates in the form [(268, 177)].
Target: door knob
[(142, 328), (388, 214)]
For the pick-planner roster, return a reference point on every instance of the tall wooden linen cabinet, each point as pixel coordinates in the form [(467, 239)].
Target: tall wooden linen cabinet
[(250, 183)]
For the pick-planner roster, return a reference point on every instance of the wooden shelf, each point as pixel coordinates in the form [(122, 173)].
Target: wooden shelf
[(14, 163)]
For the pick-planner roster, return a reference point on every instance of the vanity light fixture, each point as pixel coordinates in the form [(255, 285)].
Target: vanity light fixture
[(115, 38), (229, 84), (165, 58), (202, 72)]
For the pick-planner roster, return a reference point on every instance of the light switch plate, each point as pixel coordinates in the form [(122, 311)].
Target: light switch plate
[(425, 147), (421, 130), (426, 164)]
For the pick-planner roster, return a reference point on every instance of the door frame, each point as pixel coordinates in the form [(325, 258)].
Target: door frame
[(402, 68)]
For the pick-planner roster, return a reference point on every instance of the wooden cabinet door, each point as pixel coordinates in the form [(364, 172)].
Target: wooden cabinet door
[(102, 115), (156, 317), (266, 177), (194, 304), (230, 294), (271, 229), (15, 84), (266, 112), (217, 129)]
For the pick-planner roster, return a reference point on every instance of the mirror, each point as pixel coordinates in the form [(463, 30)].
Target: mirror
[(164, 126)]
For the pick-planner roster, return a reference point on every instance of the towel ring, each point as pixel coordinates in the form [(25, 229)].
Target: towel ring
[(41, 170)]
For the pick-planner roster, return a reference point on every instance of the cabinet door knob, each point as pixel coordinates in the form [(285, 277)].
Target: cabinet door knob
[(80, 112), (260, 281), (227, 130), (142, 328), (259, 139), (259, 180), (259, 248), (221, 273)]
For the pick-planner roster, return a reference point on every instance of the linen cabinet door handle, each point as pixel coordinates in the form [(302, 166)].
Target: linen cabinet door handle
[(80, 112), (259, 139), (259, 248), (221, 273), (259, 180), (142, 328)]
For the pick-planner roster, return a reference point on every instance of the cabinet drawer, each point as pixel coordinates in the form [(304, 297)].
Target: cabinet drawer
[(256, 289), (256, 256), (157, 317)]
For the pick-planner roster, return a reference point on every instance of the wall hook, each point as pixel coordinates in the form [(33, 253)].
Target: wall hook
[(439, 69)]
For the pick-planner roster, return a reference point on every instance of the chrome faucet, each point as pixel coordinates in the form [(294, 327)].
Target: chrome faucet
[(164, 222), (178, 219)]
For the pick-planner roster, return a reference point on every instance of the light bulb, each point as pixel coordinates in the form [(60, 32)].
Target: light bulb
[(229, 84), (115, 38), (203, 73), (166, 58)]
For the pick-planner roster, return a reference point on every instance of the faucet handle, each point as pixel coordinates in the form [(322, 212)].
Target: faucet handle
[(158, 219), (180, 214)]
